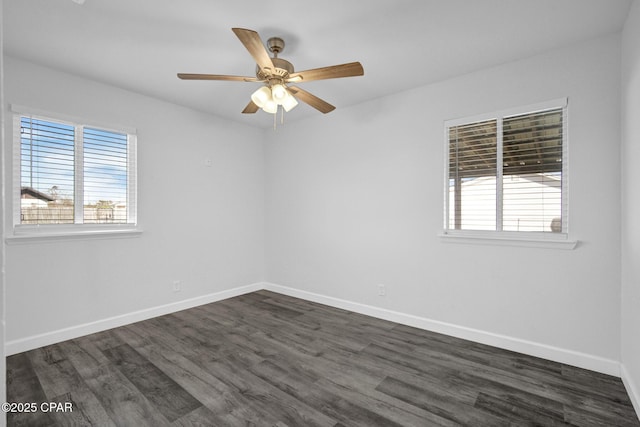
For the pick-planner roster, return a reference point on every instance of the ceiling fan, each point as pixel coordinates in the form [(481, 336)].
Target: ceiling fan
[(277, 74)]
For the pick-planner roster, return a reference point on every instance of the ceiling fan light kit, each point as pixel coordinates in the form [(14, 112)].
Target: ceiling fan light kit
[(261, 96), (268, 98), (278, 92), (276, 73), (289, 102)]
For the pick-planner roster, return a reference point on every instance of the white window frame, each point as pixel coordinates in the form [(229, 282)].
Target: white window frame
[(30, 232), (511, 238)]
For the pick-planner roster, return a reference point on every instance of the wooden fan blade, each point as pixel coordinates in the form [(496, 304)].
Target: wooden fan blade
[(187, 76), (317, 103), (351, 69), (251, 41), (250, 108)]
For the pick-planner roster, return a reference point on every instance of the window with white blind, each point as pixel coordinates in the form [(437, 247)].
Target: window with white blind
[(506, 172), (69, 175)]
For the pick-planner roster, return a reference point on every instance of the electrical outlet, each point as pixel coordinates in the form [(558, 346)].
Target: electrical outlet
[(177, 286), (382, 290)]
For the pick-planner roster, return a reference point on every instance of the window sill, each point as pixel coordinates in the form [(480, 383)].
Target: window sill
[(554, 241), (46, 234)]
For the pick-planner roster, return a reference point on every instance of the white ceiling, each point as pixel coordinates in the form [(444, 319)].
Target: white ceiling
[(140, 45)]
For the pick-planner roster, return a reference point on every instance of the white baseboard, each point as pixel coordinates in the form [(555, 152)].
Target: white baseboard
[(36, 341), (632, 390), (556, 354)]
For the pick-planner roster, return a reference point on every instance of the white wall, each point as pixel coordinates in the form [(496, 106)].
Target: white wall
[(631, 203), (202, 225), (356, 200), (3, 371)]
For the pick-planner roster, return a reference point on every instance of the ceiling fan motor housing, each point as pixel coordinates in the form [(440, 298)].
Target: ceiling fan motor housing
[(282, 70), (282, 67)]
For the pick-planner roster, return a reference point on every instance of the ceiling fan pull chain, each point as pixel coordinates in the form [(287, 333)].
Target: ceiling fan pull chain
[(282, 117), (275, 122)]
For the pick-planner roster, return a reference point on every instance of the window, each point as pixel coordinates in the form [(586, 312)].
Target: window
[(506, 172), (72, 174)]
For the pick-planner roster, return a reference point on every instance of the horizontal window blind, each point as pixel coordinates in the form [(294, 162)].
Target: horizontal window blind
[(472, 176), (105, 176), (505, 174), (47, 162), (532, 172)]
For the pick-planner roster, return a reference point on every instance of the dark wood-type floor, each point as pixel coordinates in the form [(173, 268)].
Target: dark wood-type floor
[(265, 359)]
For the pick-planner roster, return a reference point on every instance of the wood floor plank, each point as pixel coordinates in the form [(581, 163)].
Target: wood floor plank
[(204, 417), (271, 401), (227, 407), (23, 386), (607, 387), (169, 398), (599, 409), (508, 375), (86, 410), (433, 402), (351, 372), (245, 396), (334, 405), (419, 372), (513, 408), (380, 404), (57, 374), (582, 418), (265, 359), (62, 383), (124, 403)]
